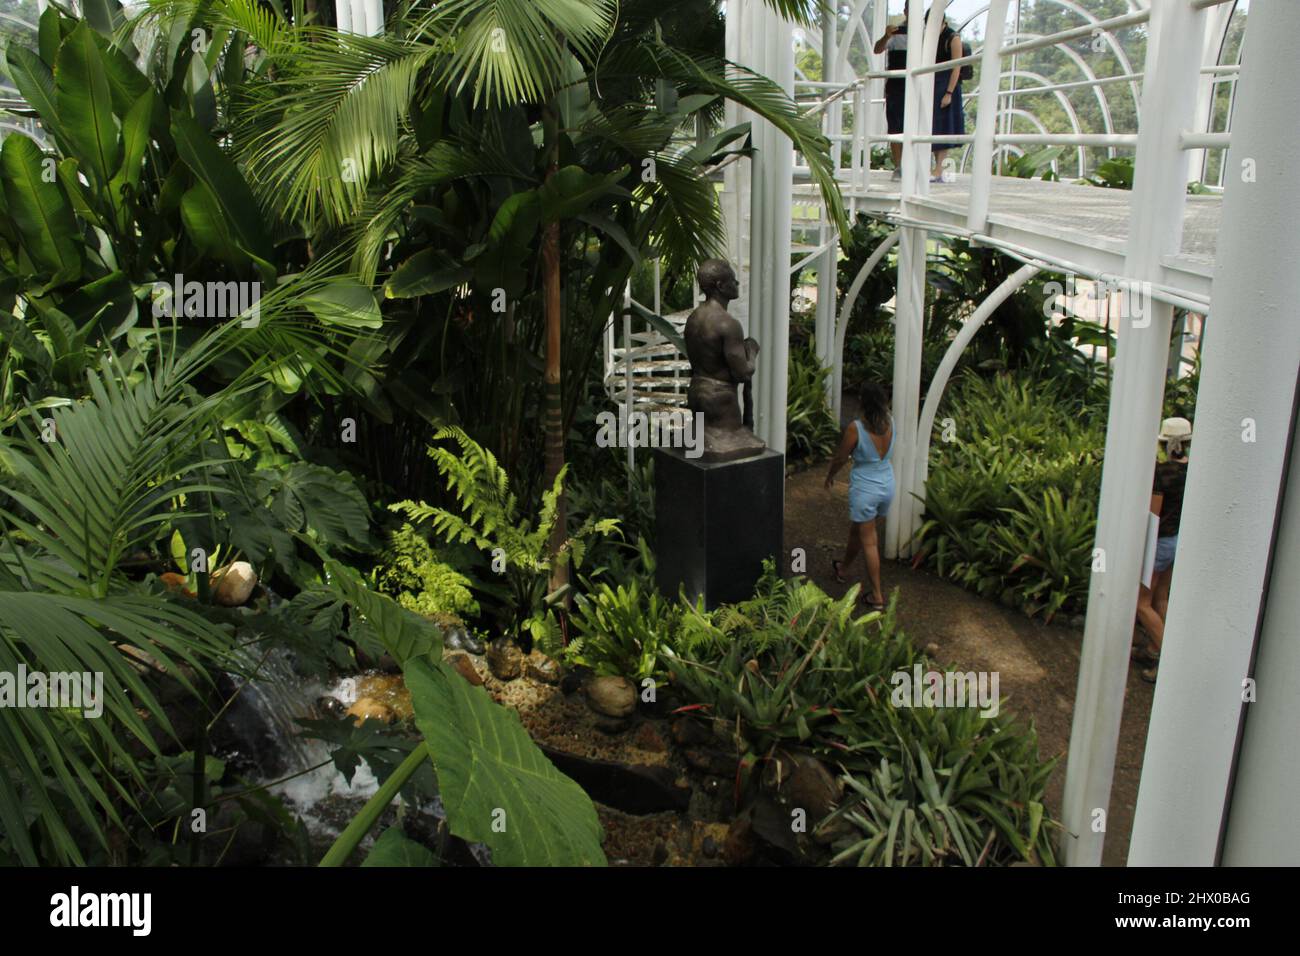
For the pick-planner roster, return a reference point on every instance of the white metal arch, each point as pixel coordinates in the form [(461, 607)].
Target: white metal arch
[(842, 325), (925, 424), (1060, 97), (1109, 37), (1102, 101)]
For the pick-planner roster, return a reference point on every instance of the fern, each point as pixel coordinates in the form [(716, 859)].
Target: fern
[(412, 573), (489, 518)]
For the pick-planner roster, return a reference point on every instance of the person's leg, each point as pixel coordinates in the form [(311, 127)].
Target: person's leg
[(896, 151), (1160, 591), (938, 156), (851, 549), (871, 551), (1151, 622)]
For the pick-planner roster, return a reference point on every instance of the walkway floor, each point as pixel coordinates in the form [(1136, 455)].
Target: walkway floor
[(1038, 664)]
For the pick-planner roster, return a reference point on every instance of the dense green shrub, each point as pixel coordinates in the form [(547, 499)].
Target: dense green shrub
[(621, 631), (926, 785), (1010, 507), (491, 519), (811, 432), (411, 572)]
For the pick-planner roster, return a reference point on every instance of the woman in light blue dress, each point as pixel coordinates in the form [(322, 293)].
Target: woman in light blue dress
[(869, 442)]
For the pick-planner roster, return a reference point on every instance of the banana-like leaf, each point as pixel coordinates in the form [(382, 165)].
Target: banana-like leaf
[(219, 173), (497, 787), (39, 208), (428, 272), (85, 104)]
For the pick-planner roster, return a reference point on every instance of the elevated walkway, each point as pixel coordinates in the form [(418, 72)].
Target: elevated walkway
[(1062, 223)]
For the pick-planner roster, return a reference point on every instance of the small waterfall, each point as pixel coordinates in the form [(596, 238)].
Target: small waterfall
[(260, 734)]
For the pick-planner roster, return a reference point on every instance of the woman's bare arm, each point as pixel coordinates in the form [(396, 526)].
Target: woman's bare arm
[(847, 444), (958, 51), (880, 44)]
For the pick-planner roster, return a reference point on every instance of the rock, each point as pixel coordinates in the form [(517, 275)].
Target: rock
[(368, 709), (505, 659), (774, 834), (739, 847), (457, 638), (233, 584), (688, 732), (542, 668), (777, 770), (330, 707), (611, 696), (812, 788), (611, 725), (713, 762), (465, 667), (648, 737), (932, 649)]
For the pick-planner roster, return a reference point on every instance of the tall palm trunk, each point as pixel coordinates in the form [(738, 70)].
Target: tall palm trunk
[(554, 414)]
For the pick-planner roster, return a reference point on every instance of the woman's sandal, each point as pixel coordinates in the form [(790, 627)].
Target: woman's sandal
[(835, 566), (1143, 655)]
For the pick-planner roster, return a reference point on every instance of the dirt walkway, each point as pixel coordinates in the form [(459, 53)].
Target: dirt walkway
[(1038, 664)]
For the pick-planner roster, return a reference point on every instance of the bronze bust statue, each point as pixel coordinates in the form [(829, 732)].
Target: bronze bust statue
[(722, 360)]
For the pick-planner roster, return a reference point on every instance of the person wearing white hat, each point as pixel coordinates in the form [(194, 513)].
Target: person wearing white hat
[(1167, 502)]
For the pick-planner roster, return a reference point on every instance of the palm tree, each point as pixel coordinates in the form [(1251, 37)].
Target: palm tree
[(540, 115)]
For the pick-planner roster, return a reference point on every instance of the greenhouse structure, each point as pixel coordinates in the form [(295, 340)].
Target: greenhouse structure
[(327, 335)]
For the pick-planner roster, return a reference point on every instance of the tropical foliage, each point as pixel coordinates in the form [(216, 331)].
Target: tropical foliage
[(794, 667), (1010, 508)]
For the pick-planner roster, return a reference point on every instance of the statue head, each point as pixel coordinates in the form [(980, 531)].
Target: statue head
[(717, 278)]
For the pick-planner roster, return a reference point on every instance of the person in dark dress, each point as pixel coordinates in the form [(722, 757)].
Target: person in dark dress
[(949, 116), (949, 111), (1167, 502)]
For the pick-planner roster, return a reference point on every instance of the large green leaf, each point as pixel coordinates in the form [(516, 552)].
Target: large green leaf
[(345, 303), (394, 849), (496, 786), (35, 81), (404, 634), (572, 191), (223, 178), (135, 138), (39, 208), (427, 272), (205, 219), (85, 104)]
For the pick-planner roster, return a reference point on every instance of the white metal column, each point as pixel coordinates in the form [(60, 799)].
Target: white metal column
[(909, 302), (770, 205), (1245, 407), (986, 118), (828, 265), (1155, 231)]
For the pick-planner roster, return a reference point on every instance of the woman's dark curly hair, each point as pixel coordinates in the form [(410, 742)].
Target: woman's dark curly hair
[(875, 408)]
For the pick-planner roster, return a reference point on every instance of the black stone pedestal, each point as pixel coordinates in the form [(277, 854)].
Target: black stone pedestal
[(715, 522)]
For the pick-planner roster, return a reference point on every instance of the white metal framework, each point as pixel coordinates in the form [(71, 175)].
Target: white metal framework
[(1158, 246)]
